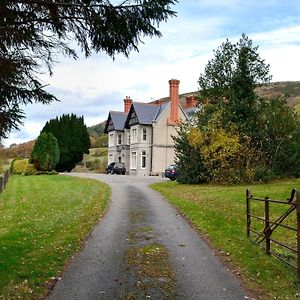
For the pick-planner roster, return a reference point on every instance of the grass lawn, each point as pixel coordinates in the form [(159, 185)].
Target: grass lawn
[(44, 221), (219, 213)]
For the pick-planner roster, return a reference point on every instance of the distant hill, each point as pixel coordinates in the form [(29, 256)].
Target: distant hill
[(21, 150), (96, 130), (289, 88)]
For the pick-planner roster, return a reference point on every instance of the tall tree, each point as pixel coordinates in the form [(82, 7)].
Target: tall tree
[(73, 140), (45, 153), (240, 135), (233, 63), (32, 32)]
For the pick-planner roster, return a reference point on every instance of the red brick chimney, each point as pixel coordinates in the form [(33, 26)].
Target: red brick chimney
[(174, 98), (127, 104), (190, 101)]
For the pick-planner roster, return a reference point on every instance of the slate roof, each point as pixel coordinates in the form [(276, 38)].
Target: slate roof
[(118, 119), (146, 113), (190, 111)]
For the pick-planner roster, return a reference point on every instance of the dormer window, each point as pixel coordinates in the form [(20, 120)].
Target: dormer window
[(144, 138)]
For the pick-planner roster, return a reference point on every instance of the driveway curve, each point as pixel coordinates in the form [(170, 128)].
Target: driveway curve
[(142, 249)]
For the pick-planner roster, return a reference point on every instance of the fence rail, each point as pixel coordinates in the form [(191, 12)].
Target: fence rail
[(4, 179), (293, 203)]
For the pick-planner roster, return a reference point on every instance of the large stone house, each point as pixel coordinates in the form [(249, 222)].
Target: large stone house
[(141, 136)]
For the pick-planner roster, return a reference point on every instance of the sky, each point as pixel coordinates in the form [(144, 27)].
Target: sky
[(92, 87)]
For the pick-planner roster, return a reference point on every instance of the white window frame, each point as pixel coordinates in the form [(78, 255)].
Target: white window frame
[(119, 140), (144, 134), (128, 137), (134, 135), (111, 140), (143, 159), (133, 160)]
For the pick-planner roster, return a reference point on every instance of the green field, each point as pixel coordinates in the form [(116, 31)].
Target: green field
[(219, 213), (44, 221)]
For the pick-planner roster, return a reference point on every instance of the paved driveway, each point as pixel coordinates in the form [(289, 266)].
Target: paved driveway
[(142, 249)]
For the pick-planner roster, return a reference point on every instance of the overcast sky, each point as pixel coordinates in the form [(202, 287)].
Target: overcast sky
[(91, 87)]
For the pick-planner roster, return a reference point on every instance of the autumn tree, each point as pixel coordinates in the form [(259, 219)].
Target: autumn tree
[(236, 133), (33, 32)]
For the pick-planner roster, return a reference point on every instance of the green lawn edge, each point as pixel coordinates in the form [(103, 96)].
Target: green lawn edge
[(218, 212), (44, 222)]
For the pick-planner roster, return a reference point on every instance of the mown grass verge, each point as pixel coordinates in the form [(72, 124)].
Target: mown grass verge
[(43, 222), (219, 213)]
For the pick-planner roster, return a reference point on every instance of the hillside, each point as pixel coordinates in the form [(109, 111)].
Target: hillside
[(289, 88), (96, 130)]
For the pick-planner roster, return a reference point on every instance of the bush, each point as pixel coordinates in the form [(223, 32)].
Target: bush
[(72, 138), (97, 165), (52, 172), (30, 169), (263, 174), (19, 166), (45, 154)]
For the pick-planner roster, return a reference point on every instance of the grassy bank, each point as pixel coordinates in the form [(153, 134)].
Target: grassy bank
[(219, 212), (44, 220)]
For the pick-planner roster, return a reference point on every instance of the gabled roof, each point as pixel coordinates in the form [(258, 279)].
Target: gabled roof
[(118, 119), (146, 113), (190, 111)]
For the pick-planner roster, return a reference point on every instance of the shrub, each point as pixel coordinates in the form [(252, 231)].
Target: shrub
[(22, 166), (72, 138), (263, 174), (45, 154), (19, 166), (30, 169)]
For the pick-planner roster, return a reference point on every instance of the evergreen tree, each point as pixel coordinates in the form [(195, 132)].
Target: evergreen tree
[(189, 161), (72, 137), (32, 32), (45, 153)]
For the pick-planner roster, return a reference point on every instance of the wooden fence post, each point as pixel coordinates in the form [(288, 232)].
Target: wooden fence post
[(248, 213), (267, 231), (298, 232)]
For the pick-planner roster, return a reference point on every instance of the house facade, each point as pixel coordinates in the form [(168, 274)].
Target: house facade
[(141, 135)]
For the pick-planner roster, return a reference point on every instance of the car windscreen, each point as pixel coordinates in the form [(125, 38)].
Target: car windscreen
[(172, 167), (119, 165)]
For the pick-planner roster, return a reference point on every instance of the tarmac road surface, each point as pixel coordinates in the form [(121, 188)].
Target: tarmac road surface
[(142, 249)]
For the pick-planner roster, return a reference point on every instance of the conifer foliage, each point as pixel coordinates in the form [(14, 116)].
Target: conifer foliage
[(33, 32), (72, 137), (45, 154)]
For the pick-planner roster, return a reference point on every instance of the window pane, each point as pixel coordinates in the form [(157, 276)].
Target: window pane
[(143, 160)]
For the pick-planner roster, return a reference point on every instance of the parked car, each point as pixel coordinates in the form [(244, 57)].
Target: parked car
[(171, 172), (116, 168)]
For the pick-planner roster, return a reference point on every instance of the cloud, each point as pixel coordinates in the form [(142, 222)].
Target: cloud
[(93, 86)]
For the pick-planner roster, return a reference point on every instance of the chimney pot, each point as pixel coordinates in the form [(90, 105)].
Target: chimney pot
[(190, 101)]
